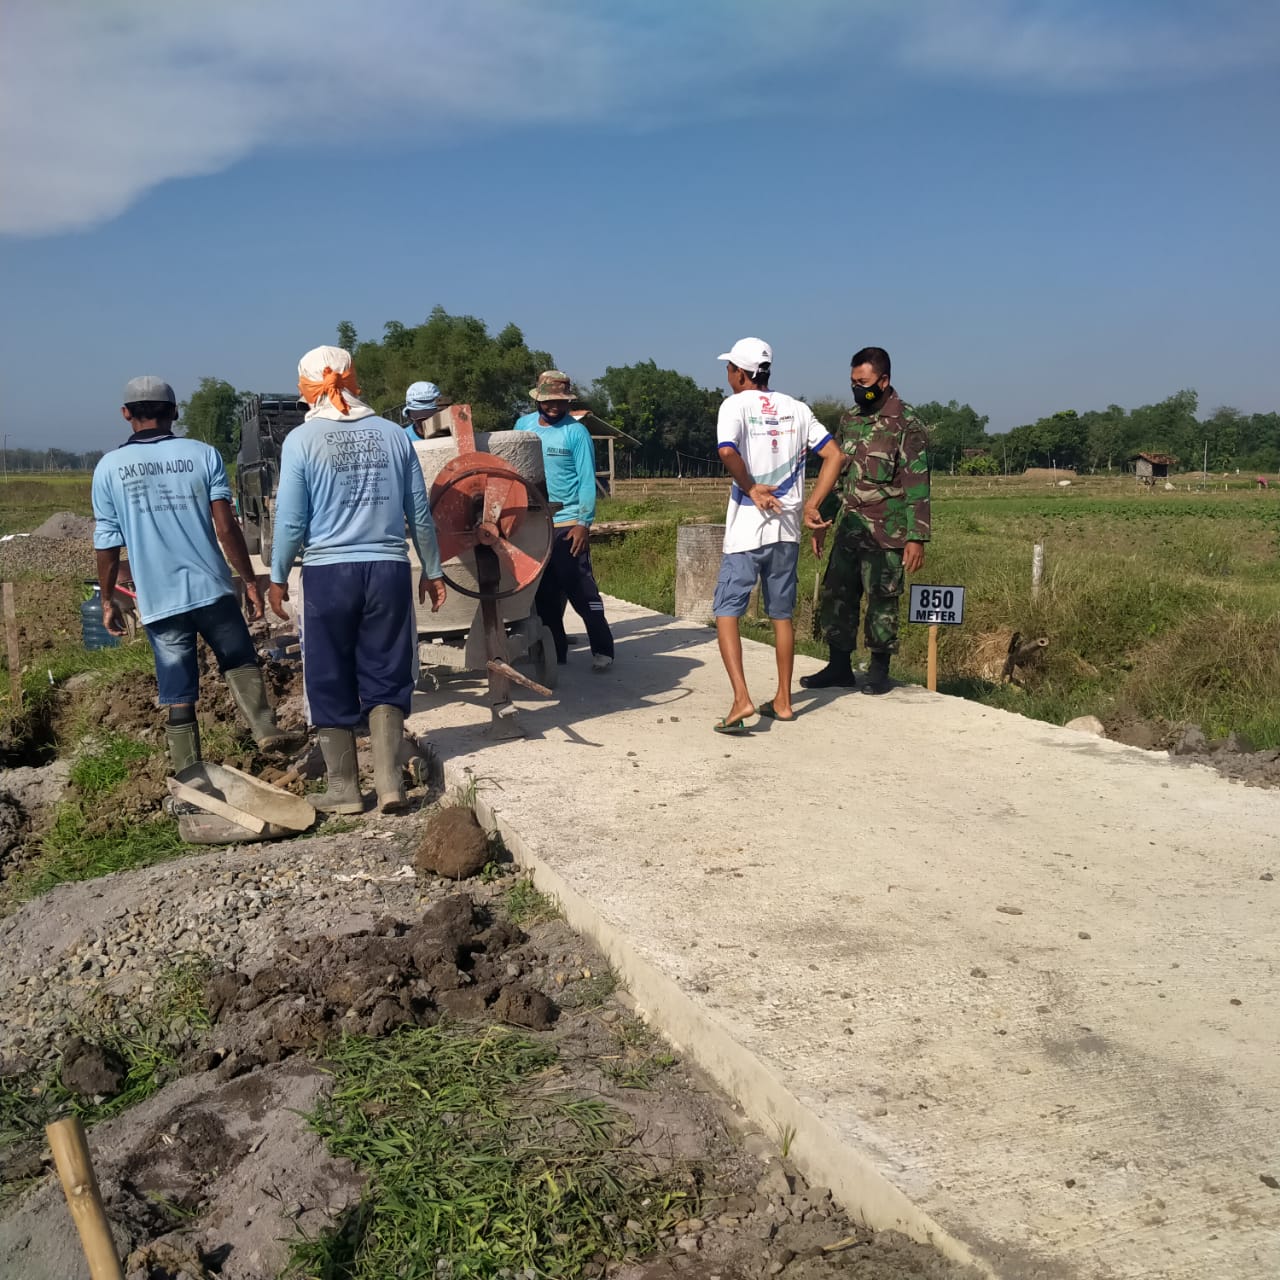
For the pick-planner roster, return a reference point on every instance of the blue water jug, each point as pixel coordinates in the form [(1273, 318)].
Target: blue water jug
[(96, 636)]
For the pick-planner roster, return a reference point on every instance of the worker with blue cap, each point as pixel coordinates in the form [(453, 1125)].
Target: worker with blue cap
[(421, 401)]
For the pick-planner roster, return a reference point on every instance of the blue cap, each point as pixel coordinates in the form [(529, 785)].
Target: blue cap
[(421, 398)]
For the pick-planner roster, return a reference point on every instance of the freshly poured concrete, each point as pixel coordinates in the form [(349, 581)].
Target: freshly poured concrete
[(1013, 987)]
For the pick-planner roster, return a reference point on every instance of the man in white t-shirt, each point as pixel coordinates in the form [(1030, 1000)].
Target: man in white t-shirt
[(765, 439)]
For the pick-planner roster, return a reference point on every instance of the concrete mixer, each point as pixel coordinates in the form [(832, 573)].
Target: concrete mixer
[(494, 527)]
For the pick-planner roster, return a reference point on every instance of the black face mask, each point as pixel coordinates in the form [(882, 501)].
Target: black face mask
[(867, 399)]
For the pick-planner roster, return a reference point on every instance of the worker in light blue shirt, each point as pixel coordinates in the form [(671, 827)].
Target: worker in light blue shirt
[(349, 482), (166, 500), (569, 460), (421, 404)]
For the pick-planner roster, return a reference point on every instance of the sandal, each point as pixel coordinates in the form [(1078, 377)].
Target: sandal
[(766, 709)]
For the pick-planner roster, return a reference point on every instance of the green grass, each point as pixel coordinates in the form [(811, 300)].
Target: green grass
[(84, 840), (26, 502), (525, 905), (477, 1167), (105, 764), (590, 993), (1159, 606), (41, 685), (71, 852)]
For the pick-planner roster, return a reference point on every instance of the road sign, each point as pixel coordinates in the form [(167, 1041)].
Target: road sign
[(937, 606)]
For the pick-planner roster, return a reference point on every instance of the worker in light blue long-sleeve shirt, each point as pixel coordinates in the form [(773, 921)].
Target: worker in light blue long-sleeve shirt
[(349, 482), (569, 460)]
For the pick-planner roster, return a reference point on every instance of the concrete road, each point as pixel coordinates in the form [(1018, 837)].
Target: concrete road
[(1002, 985)]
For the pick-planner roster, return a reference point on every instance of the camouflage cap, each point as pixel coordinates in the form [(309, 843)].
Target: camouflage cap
[(552, 385)]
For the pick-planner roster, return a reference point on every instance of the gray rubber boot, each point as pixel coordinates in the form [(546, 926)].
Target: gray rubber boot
[(183, 741), (386, 733), (250, 693), (342, 795)]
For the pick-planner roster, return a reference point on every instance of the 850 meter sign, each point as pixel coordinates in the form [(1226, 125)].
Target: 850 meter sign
[(937, 606)]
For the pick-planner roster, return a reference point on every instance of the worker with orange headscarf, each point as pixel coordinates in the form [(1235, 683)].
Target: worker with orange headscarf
[(349, 481)]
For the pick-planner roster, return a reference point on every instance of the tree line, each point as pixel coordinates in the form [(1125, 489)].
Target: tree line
[(669, 419), (30, 460), (1106, 439)]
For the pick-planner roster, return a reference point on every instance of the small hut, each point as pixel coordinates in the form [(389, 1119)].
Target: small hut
[(1150, 467), (598, 429)]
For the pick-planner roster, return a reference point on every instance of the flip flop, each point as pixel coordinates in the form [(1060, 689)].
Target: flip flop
[(766, 709), (731, 726)]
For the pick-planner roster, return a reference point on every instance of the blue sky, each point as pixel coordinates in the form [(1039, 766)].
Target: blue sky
[(1033, 205)]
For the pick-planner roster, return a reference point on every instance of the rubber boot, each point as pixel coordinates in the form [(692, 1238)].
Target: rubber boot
[(250, 694), (877, 680), (342, 795), (386, 733), (837, 674), (183, 741)]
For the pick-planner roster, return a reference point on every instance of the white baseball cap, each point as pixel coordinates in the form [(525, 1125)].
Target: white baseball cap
[(749, 354)]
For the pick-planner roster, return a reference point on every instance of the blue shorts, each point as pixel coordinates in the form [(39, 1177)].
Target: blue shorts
[(173, 641), (358, 636), (774, 566)]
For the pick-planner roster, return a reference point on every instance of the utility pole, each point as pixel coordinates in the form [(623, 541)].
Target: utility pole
[(1204, 468)]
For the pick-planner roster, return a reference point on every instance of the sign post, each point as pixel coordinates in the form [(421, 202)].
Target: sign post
[(936, 607)]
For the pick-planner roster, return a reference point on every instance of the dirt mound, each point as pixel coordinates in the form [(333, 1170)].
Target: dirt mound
[(207, 1176), (1233, 756), (64, 525), (452, 962)]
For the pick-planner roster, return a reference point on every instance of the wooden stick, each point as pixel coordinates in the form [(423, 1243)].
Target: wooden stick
[(933, 657), (506, 669), (71, 1155), (11, 638), (211, 804)]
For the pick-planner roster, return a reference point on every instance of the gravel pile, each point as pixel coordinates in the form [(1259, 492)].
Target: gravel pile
[(82, 946), (65, 524), (47, 558)]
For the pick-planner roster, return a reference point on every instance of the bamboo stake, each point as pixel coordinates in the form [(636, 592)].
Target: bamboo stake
[(71, 1155), (933, 657), (11, 639)]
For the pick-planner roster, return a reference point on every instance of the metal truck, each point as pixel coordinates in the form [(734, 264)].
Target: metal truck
[(265, 420)]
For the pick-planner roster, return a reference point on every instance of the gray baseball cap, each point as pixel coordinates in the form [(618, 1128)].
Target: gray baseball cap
[(146, 388)]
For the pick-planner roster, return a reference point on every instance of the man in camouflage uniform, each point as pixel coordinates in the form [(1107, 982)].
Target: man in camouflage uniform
[(882, 527)]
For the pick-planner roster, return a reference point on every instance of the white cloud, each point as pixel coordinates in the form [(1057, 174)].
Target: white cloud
[(101, 100), (1088, 44)]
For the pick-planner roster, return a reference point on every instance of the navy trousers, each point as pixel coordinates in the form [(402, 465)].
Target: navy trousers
[(358, 634), (569, 577)]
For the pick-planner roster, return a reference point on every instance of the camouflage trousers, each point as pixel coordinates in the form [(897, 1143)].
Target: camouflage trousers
[(861, 575)]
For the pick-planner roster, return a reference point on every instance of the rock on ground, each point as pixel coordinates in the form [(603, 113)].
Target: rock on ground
[(1087, 724), (455, 845)]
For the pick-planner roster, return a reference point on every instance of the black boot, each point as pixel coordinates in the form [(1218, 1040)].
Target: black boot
[(877, 680), (837, 674)]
